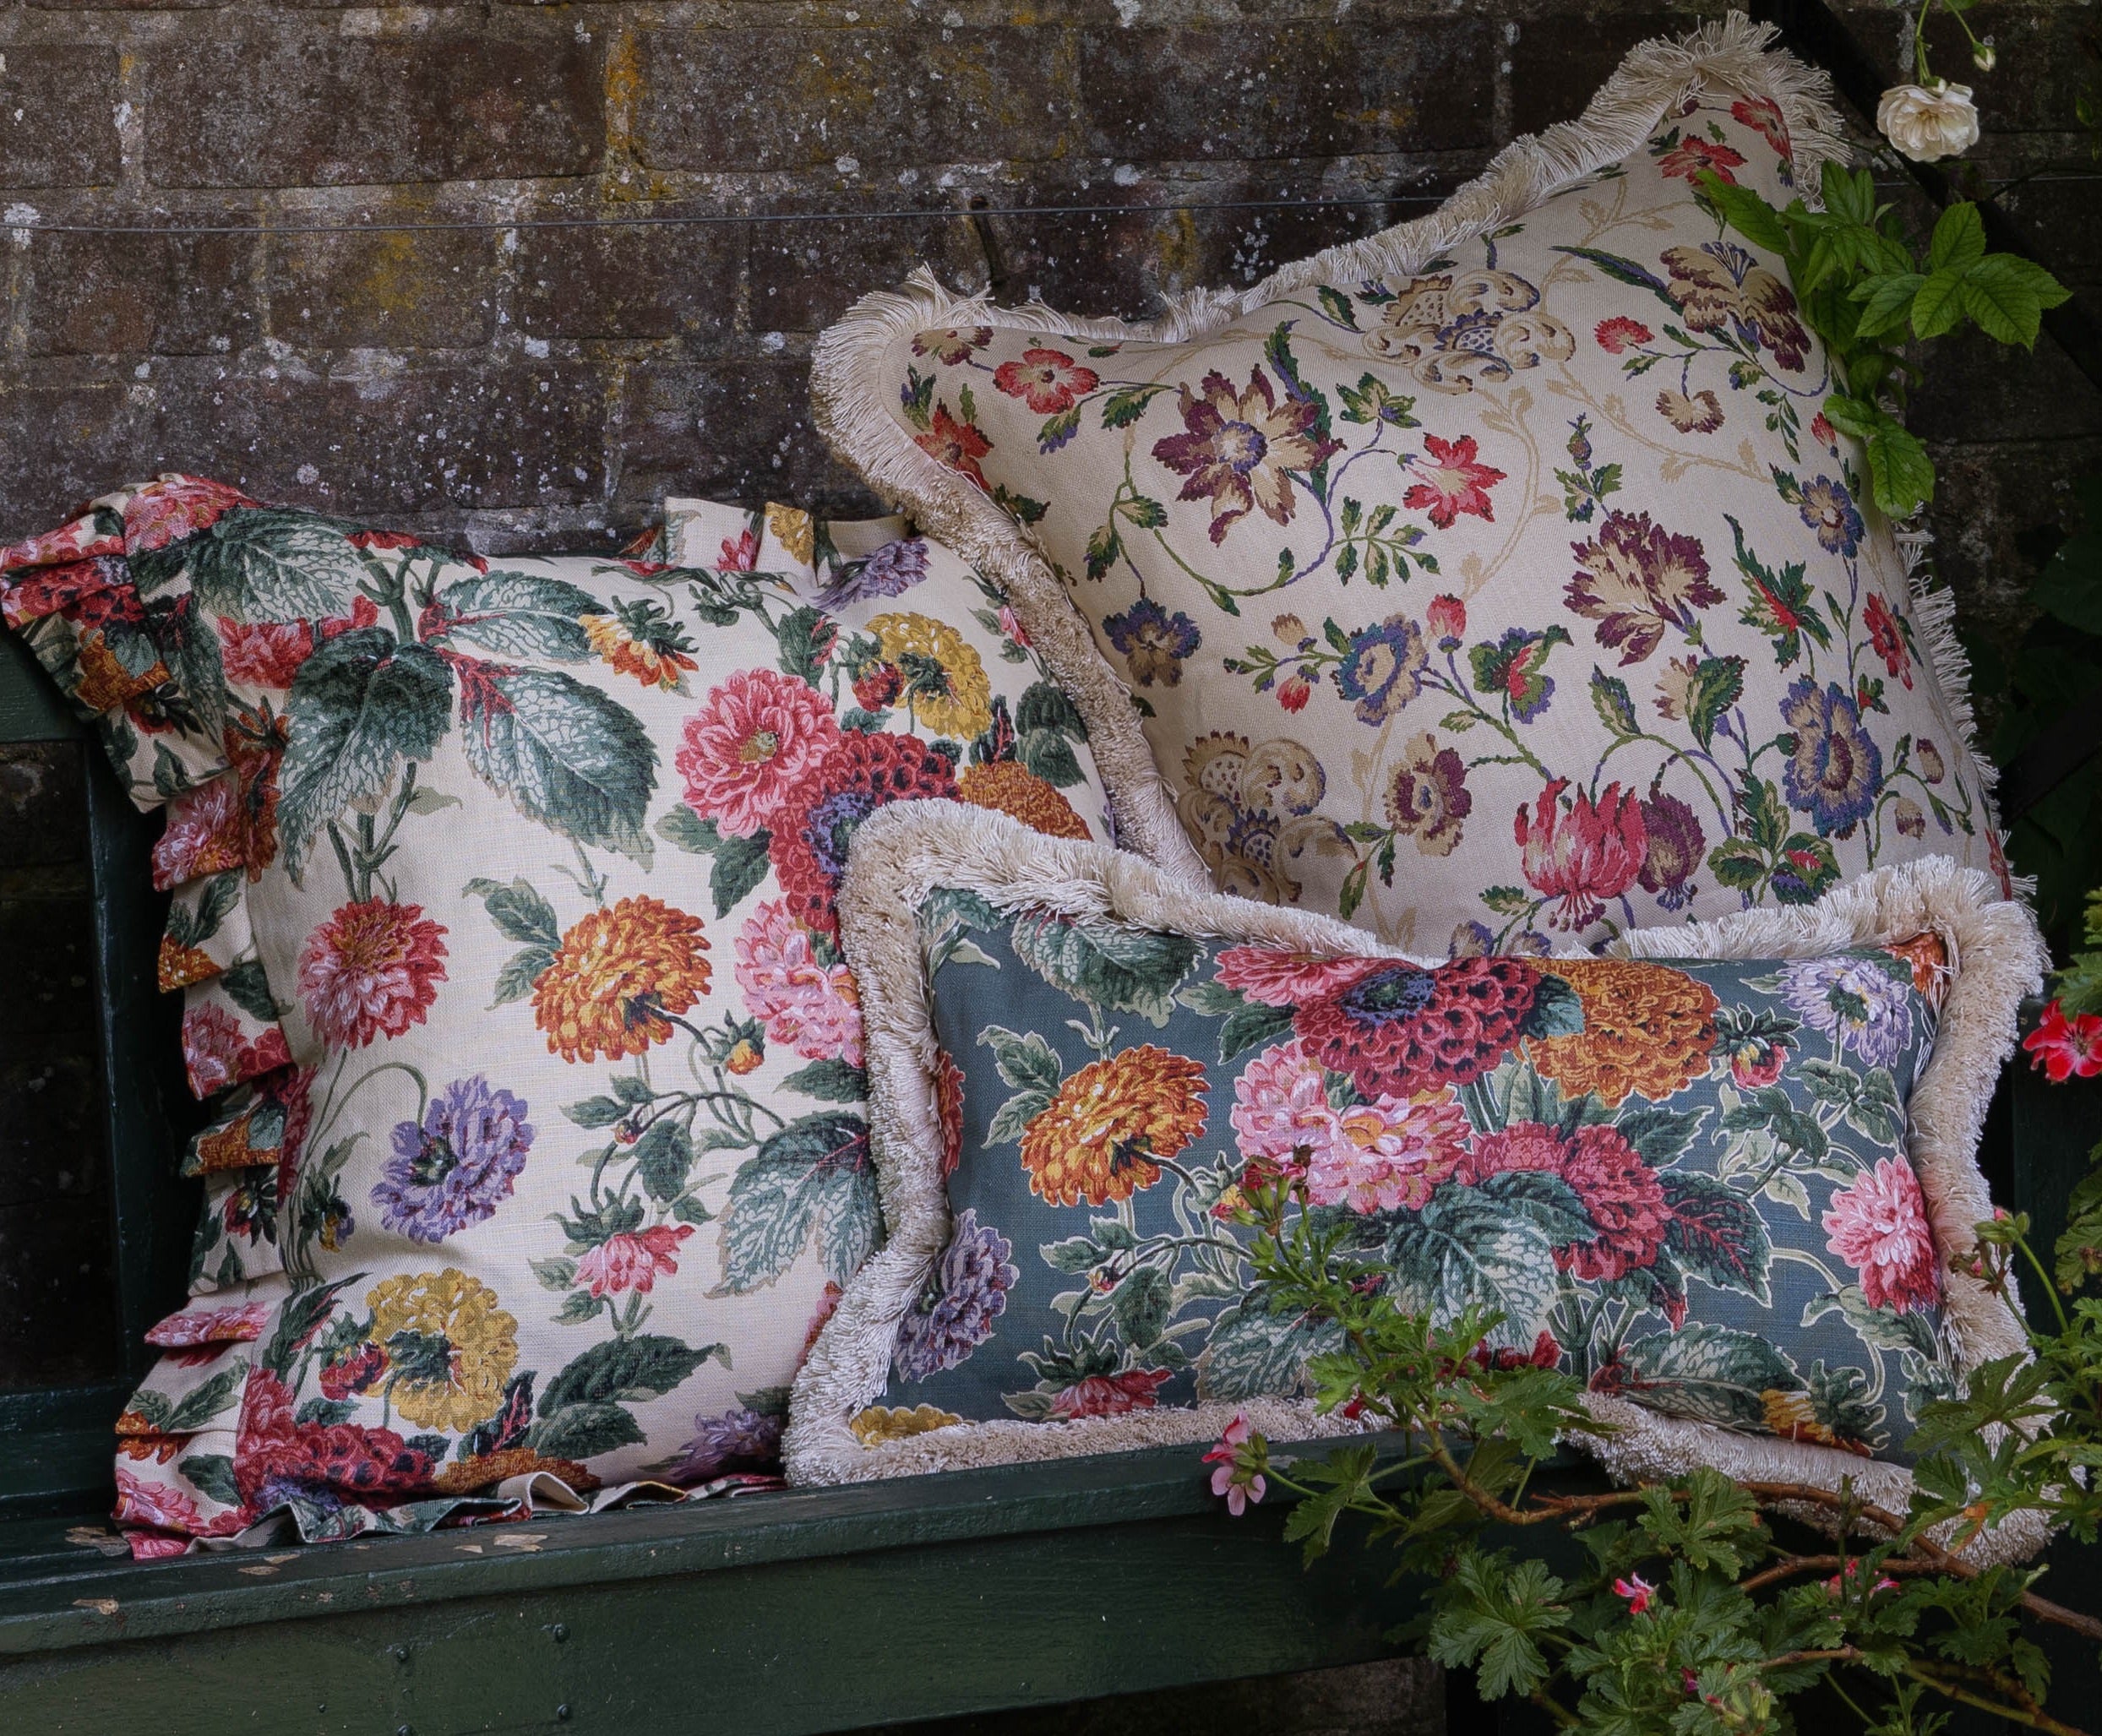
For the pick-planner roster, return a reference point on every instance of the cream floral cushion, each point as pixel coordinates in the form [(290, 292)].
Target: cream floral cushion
[(1492, 581), (504, 907)]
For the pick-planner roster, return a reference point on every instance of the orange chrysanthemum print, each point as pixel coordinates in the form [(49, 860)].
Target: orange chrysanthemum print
[(618, 977), (1098, 1137), (1006, 786), (1649, 1030)]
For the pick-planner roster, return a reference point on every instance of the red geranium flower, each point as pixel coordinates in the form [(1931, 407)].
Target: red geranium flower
[(1685, 159), (2065, 1049), (1049, 381), (1453, 481)]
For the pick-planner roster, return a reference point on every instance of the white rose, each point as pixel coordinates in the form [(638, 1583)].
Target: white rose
[(1927, 122)]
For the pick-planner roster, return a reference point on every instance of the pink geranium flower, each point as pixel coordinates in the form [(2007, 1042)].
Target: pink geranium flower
[(814, 1009), (372, 970), (2065, 1049), (1637, 1590), (632, 1260), (1452, 482), (1583, 853), (1878, 1225), (1238, 1454), (1618, 333), (753, 748)]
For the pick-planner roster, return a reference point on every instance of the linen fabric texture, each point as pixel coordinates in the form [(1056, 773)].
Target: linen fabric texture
[(1493, 581), (504, 910), (1689, 1182)]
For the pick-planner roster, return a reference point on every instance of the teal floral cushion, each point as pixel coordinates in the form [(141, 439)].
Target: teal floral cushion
[(1687, 1181), (1494, 580)]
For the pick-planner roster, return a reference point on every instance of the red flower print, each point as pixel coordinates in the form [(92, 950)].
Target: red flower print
[(1447, 618), (949, 1110), (175, 507), (1887, 637), (952, 344), (810, 835), (632, 1260), (1763, 116), (1049, 381), (1685, 159), (358, 1372), (2065, 1049), (161, 1506), (1397, 1029), (1110, 1395), (236, 1325), (52, 590), (265, 654), (1621, 332), (217, 1054), (957, 445), (1293, 692), (1453, 482), (1821, 430), (1584, 853), (382, 539), (1878, 1225), (1620, 1192), (205, 834), (372, 970)]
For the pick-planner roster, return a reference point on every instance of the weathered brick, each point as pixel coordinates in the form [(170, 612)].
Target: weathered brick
[(306, 111), (791, 99), (1989, 502), (464, 438), (1559, 61), (1298, 90), (139, 294), (43, 805), (630, 280), (731, 431), (1975, 389), (400, 288), (804, 275), (59, 117), (50, 1138)]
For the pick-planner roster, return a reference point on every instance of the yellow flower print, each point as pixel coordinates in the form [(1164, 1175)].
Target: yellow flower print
[(618, 974), (449, 1347), (1096, 1139), (878, 1423), (1648, 1028), (945, 686), (794, 530)]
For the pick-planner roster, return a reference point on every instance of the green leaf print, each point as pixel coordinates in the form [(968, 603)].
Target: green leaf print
[(1465, 1249), (566, 755), (263, 564), (1127, 971), (1712, 1373), (814, 1173), (519, 615), (1258, 1348), (359, 706), (626, 1371)]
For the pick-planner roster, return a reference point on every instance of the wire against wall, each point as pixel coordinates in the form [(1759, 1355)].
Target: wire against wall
[(938, 214)]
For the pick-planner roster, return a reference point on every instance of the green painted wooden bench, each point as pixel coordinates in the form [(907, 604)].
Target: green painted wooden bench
[(787, 1612)]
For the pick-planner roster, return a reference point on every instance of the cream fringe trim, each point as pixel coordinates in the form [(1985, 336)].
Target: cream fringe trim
[(902, 853), (854, 386)]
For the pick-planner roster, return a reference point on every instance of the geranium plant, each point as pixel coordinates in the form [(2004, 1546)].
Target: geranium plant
[(1699, 1605)]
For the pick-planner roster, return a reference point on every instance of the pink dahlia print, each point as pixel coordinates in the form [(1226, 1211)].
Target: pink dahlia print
[(372, 970), (217, 1054), (205, 834), (1275, 978), (812, 1007), (1387, 1155), (1280, 1105), (746, 750), (1878, 1225), (632, 1260), (174, 507)]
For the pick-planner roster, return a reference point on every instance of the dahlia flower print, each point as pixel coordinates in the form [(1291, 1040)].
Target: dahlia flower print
[(810, 1007), (1099, 1137), (1878, 1225), (1684, 1182), (454, 1167), (449, 1347), (370, 972), (733, 1441), (750, 749), (618, 978), (891, 571), (632, 1260), (965, 1295)]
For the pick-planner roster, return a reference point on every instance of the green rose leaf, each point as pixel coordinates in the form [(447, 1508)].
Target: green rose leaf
[(1127, 971), (519, 615), (815, 1174), (1025, 1062), (833, 1081), (664, 1157)]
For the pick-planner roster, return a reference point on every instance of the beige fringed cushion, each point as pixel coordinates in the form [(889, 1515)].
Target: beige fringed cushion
[(1493, 578), (1681, 1174)]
